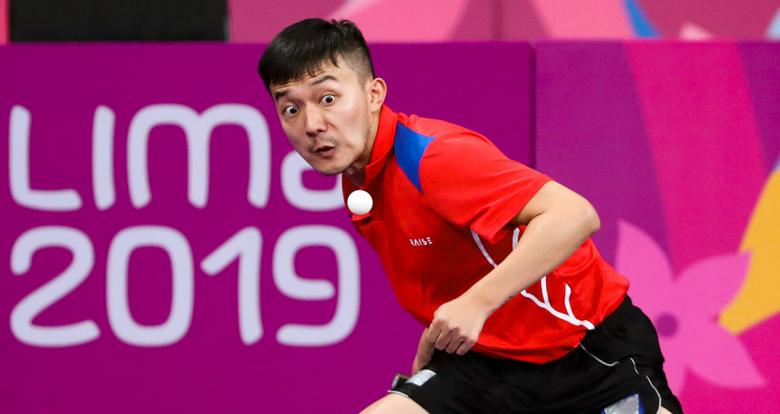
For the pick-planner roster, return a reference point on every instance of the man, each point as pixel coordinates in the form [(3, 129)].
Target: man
[(522, 314)]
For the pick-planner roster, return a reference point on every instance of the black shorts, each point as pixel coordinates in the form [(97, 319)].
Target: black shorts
[(618, 363)]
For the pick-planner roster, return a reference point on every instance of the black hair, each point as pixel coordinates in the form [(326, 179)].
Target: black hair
[(302, 48)]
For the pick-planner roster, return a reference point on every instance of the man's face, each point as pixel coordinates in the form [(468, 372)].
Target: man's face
[(328, 118)]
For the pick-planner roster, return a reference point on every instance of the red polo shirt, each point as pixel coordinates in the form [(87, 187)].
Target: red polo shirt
[(443, 196)]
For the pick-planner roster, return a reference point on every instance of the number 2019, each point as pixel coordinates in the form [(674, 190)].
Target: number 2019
[(245, 246)]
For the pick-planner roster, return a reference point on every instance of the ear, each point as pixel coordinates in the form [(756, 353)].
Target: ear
[(377, 91)]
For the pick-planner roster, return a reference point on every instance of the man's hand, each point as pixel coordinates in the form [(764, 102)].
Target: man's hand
[(456, 324)]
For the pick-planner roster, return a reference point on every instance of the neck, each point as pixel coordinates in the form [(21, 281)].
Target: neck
[(357, 178)]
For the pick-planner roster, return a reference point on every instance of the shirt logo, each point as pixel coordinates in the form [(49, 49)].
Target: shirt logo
[(422, 241)]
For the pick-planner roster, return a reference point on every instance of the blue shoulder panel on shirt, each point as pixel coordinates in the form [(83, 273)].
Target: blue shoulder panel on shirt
[(409, 148)]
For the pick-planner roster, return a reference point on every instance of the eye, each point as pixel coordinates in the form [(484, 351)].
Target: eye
[(290, 110), (328, 99)]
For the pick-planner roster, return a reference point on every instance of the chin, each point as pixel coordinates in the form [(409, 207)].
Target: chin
[(329, 168), (330, 172)]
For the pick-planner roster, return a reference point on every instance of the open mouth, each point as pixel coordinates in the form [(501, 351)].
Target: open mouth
[(325, 150)]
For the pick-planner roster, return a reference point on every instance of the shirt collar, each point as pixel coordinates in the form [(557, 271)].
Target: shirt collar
[(383, 144)]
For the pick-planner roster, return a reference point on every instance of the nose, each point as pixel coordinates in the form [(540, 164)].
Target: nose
[(315, 122)]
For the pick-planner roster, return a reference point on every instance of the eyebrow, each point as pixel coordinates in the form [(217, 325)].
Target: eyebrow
[(282, 93), (323, 79)]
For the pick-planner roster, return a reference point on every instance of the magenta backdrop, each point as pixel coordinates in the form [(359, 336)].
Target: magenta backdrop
[(83, 101)]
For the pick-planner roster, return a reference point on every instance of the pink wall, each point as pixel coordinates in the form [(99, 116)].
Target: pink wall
[(686, 180), (438, 20), (4, 28), (253, 21)]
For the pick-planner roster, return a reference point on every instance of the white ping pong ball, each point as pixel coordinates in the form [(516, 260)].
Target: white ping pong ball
[(359, 202)]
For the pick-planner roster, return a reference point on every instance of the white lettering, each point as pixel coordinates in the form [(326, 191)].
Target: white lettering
[(425, 241), (301, 197), (178, 250), (246, 246), (197, 129), (19, 154), (103, 157), (42, 298), (292, 285)]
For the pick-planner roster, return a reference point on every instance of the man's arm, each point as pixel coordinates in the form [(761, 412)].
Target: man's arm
[(558, 222)]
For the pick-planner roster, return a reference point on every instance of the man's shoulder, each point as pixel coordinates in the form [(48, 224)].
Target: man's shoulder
[(440, 145), (415, 135), (433, 128), (446, 137)]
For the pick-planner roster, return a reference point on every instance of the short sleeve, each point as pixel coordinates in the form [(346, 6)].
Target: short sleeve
[(470, 182)]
